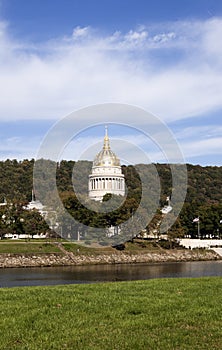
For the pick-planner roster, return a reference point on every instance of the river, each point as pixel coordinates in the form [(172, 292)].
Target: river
[(11, 277)]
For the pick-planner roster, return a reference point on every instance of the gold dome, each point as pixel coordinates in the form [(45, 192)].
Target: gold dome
[(106, 157)]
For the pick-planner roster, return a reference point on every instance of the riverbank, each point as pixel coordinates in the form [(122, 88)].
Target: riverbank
[(67, 258)]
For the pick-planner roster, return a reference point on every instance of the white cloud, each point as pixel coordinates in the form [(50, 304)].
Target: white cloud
[(80, 32), (210, 146), (165, 37), (212, 33), (57, 77), (173, 70), (203, 131), (136, 37)]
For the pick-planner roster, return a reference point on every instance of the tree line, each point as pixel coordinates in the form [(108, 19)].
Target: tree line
[(203, 198)]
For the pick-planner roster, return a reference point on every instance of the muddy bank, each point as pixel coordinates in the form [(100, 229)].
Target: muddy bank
[(69, 259)]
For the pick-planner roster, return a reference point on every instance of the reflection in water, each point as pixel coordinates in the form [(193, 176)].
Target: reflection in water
[(103, 273)]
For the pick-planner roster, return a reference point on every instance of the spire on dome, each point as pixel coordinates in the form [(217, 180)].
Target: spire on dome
[(106, 145), (106, 157)]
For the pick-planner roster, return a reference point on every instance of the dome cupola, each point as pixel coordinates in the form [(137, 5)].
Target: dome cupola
[(106, 157)]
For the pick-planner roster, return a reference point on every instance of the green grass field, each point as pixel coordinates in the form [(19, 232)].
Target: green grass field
[(36, 246), (154, 314), (27, 247)]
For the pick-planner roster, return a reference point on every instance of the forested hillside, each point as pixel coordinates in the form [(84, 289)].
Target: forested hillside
[(204, 183), (203, 199)]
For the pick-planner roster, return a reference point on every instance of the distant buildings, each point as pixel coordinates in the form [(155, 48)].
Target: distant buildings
[(11, 217), (167, 208), (36, 204)]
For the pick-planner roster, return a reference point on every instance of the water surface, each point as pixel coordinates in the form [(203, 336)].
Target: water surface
[(40, 276)]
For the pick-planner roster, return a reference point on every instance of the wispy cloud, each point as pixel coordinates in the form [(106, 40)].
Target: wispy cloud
[(19, 147), (210, 146), (174, 71), (203, 131)]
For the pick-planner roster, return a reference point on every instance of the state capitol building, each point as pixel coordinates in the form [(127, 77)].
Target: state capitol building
[(106, 176)]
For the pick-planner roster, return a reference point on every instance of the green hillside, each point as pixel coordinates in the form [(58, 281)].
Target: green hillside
[(203, 199)]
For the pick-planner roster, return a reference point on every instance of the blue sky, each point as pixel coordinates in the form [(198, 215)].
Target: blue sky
[(163, 56)]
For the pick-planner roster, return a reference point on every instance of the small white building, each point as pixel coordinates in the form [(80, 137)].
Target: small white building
[(49, 215), (36, 204)]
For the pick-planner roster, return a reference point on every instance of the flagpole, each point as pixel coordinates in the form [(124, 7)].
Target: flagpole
[(198, 226), (220, 222)]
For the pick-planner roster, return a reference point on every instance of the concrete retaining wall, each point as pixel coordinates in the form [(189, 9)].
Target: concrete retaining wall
[(200, 243)]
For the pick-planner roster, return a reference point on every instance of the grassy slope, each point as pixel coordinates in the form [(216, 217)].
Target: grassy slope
[(27, 247), (22, 247), (154, 314)]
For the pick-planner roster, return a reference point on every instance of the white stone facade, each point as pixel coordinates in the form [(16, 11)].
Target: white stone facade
[(106, 176)]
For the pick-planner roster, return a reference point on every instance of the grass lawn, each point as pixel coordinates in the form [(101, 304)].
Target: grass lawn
[(137, 247), (27, 247), (154, 314), (76, 248), (35, 247)]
